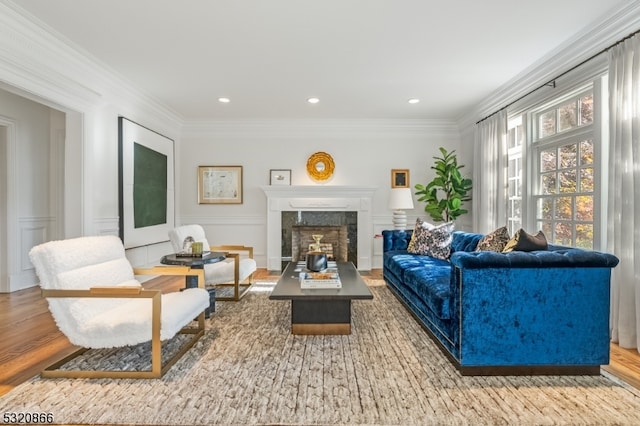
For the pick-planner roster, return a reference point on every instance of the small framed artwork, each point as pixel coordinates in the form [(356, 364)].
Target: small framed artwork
[(400, 178), (280, 177), (219, 184)]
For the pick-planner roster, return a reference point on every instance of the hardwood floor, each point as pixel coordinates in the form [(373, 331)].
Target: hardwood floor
[(31, 340)]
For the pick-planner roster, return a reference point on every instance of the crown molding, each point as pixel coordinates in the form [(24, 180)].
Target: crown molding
[(621, 21), (295, 128)]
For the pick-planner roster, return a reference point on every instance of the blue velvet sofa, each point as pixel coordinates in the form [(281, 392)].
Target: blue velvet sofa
[(540, 312)]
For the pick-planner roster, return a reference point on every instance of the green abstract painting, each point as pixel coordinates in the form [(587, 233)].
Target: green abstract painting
[(149, 187)]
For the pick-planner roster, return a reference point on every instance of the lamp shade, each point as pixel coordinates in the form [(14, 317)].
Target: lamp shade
[(400, 199)]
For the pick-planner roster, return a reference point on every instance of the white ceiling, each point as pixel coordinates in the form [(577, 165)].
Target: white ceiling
[(362, 58)]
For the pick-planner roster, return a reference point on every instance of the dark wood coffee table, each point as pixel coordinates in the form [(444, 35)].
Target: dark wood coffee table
[(321, 311)]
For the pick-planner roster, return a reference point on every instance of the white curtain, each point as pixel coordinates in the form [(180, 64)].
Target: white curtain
[(623, 229), (490, 174)]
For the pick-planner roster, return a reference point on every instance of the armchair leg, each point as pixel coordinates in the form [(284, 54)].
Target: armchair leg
[(238, 293)]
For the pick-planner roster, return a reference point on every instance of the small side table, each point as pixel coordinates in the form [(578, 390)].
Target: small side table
[(197, 264)]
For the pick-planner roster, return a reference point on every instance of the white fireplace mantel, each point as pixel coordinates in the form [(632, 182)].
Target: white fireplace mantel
[(319, 198)]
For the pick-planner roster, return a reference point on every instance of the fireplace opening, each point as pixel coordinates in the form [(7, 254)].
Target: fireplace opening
[(339, 230)]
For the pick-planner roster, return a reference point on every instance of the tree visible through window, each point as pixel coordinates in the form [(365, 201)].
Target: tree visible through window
[(565, 187)]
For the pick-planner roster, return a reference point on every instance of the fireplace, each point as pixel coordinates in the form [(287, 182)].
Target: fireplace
[(339, 230), (301, 203), (334, 242)]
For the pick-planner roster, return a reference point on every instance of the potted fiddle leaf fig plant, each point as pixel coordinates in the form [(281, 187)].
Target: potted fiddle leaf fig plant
[(446, 193)]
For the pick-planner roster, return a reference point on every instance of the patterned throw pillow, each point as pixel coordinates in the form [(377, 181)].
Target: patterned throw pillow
[(430, 240), (494, 241), (420, 225), (521, 241)]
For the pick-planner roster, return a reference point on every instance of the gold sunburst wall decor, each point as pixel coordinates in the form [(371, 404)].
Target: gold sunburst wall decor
[(320, 166)]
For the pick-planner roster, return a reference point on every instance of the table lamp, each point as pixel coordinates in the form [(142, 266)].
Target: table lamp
[(400, 199)]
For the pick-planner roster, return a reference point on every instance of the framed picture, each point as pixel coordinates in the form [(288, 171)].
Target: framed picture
[(219, 184), (280, 177), (400, 178), (146, 185)]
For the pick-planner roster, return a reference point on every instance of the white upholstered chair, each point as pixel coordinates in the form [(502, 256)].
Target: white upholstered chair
[(96, 302), (235, 271)]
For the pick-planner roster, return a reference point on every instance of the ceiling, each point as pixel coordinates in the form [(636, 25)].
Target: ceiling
[(362, 58)]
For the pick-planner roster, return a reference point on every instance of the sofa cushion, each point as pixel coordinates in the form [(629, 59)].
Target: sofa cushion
[(521, 241), (397, 262), (464, 241), (433, 285), (431, 240), (495, 240)]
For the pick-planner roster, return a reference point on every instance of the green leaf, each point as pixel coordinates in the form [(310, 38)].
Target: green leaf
[(447, 191)]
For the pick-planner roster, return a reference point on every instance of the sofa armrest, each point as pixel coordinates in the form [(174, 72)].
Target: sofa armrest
[(564, 258)]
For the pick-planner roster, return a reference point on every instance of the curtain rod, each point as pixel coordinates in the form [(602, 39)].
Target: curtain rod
[(552, 82)]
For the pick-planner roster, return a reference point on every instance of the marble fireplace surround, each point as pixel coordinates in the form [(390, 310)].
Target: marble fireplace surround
[(319, 198)]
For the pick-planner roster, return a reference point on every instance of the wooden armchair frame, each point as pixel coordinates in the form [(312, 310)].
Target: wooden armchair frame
[(157, 369), (238, 292)]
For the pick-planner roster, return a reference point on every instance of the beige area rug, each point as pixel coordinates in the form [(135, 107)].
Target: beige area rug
[(249, 369)]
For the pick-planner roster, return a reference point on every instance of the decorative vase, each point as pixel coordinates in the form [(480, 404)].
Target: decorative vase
[(316, 259)]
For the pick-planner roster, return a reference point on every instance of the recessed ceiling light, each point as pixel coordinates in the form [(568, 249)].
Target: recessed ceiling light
[(313, 100), (224, 100), (414, 100)]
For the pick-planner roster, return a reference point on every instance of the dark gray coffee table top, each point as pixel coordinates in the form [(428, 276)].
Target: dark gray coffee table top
[(353, 287)]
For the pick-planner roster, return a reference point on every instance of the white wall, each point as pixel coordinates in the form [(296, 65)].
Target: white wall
[(39, 67), (364, 153), (31, 168)]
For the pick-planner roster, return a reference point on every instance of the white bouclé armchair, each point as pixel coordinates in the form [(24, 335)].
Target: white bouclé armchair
[(235, 271), (96, 302)]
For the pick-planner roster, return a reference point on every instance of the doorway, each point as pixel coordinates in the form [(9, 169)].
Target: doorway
[(4, 246), (33, 162)]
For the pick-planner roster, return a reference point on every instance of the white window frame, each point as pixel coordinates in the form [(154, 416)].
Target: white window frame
[(592, 132), (516, 177)]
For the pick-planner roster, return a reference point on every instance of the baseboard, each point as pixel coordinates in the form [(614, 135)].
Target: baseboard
[(529, 370)]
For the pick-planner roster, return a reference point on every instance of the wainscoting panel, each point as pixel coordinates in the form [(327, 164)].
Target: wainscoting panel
[(32, 231)]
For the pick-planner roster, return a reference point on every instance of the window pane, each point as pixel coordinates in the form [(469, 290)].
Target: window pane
[(564, 210), (565, 186), (545, 210), (584, 236), (511, 138), (586, 109), (547, 124), (514, 225), (586, 152), (584, 208), (513, 168), (563, 234), (568, 182), (548, 183), (568, 116), (586, 179), (546, 230), (568, 156), (548, 160), (517, 208)]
